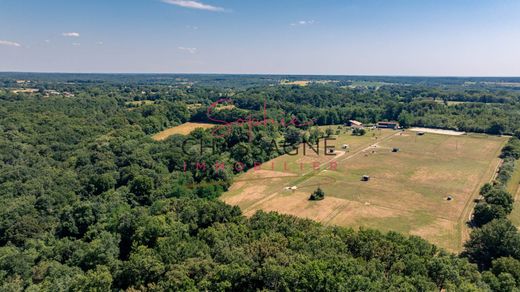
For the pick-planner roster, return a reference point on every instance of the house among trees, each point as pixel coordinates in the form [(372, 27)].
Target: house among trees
[(388, 125), (355, 124)]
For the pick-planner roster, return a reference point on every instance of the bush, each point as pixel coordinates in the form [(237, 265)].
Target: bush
[(358, 132), (318, 195)]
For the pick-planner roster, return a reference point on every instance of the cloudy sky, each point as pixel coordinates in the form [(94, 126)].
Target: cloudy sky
[(350, 37)]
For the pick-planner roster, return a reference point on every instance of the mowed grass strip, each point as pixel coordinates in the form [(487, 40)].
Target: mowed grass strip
[(407, 190), (513, 187), (183, 129)]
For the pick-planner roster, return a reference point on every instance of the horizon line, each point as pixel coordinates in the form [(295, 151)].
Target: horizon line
[(260, 74)]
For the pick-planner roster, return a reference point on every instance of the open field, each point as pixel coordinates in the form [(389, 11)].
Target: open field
[(297, 82), (183, 129), (406, 192), (514, 188), (140, 102)]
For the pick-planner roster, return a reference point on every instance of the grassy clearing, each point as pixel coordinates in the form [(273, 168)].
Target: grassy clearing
[(407, 190), (297, 82), (139, 102), (183, 129), (514, 188)]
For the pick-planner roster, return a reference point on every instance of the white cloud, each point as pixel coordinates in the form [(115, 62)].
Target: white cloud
[(192, 27), (194, 5), (100, 43), (189, 50), (304, 22), (70, 34), (9, 43), (76, 44)]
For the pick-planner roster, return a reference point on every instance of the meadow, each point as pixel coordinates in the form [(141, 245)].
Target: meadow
[(183, 129), (411, 179)]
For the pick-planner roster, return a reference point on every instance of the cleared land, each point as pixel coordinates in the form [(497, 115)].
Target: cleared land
[(437, 131), (183, 129), (297, 82), (514, 188), (407, 191)]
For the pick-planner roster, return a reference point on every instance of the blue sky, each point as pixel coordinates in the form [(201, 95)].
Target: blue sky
[(348, 37)]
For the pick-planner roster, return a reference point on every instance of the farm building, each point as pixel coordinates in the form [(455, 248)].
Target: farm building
[(331, 151), (365, 178), (355, 124), (388, 125)]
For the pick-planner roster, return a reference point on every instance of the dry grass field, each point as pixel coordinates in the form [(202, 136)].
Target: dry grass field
[(407, 191), (297, 82), (514, 188), (183, 129)]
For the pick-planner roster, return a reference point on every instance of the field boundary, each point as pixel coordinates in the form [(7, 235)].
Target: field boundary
[(467, 212)]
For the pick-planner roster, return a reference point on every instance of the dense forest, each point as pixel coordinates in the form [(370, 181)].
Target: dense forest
[(89, 202)]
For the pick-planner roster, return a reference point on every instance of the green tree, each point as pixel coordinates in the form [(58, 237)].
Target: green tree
[(507, 265), (358, 132), (499, 238), (317, 195), (329, 132)]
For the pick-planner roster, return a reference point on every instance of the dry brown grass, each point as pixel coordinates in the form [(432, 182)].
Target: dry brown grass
[(297, 82), (406, 193), (183, 129)]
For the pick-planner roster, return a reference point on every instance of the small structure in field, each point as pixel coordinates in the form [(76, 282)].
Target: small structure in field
[(345, 146), (365, 178), (396, 149), (388, 125), (331, 151), (449, 198), (355, 124), (420, 133)]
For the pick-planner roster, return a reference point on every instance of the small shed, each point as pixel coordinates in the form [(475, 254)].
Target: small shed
[(420, 133), (345, 146), (449, 198), (365, 178), (395, 149)]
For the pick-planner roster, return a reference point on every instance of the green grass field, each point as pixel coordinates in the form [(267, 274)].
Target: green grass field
[(406, 192)]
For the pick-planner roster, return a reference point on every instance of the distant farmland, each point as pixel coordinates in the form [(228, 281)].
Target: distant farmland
[(183, 129), (407, 191)]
